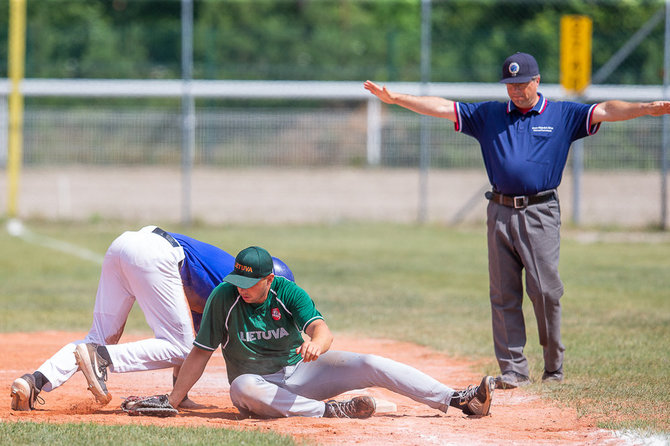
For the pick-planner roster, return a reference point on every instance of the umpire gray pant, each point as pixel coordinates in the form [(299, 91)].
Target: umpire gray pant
[(518, 239)]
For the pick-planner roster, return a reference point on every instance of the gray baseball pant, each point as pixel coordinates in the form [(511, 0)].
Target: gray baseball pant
[(529, 239), (298, 390)]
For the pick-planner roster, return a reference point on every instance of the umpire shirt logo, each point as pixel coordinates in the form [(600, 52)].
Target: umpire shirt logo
[(542, 129)]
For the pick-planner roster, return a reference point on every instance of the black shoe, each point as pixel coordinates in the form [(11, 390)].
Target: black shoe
[(557, 376), (358, 407), (511, 380), (476, 400), (24, 393), (94, 368)]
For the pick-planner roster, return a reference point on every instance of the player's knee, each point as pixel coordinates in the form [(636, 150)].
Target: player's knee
[(182, 344), (244, 386), (372, 362), (184, 350)]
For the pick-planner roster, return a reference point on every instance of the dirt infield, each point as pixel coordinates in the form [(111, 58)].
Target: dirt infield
[(517, 417)]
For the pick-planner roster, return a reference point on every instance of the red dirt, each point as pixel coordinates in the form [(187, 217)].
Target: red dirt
[(517, 417)]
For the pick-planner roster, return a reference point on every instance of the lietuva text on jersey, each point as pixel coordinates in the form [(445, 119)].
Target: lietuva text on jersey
[(267, 335)]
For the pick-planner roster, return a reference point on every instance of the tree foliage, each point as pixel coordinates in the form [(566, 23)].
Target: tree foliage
[(324, 39)]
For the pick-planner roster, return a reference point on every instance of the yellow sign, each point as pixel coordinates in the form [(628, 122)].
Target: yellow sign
[(576, 33)]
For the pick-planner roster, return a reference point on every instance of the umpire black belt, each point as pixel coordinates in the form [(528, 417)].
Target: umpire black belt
[(520, 201), (166, 236)]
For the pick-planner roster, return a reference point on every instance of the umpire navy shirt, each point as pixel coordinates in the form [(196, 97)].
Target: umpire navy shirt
[(525, 153)]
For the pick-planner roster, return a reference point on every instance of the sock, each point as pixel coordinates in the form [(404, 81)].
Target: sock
[(455, 399), (40, 380), (104, 354)]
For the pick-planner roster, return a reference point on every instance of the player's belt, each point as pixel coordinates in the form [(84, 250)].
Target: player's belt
[(520, 201), (166, 236)]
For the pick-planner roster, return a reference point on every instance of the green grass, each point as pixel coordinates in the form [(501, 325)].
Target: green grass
[(423, 284), (23, 433)]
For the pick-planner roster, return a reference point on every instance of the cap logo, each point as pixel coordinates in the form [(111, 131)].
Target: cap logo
[(513, 68), (244, 268)]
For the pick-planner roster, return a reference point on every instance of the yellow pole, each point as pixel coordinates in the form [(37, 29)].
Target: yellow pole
[(17, 50)]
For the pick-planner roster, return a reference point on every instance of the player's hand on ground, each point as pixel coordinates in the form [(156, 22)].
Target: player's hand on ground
[(309, 351), (188, 403)]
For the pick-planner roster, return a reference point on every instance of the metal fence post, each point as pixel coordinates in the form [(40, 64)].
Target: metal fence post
[(664, 170), (4, 130), (187, 109), (666, 121), (374, 132), (424, 156), (577, 171)]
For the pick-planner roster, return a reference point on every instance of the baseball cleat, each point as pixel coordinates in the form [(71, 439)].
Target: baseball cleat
[(511, 380), (477, 400), (557, 376), (358, 407), (94, 368), (24, 393)]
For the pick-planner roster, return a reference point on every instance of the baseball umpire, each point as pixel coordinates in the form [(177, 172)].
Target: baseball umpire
[(258, 319), (170, 276), (525, 144)]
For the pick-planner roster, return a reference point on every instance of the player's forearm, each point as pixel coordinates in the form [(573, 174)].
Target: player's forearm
[(320, 334), (325, 340), (189, 373)]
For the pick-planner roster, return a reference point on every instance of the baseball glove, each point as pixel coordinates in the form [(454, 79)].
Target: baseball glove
[(153, 406)]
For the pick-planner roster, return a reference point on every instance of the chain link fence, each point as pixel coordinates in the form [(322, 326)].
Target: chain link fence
[(328, 40), (335, 40), (290, 136)]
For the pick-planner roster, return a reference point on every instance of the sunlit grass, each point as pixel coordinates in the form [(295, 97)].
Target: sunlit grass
[(423, 284)]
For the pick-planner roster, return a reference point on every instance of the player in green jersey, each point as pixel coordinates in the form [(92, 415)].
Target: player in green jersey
[(258, 319)]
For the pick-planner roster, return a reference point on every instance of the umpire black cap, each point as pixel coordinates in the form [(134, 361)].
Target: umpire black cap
[(519, 68)]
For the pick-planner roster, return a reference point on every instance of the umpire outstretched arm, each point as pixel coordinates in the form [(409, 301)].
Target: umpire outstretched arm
[(190, 372), (611, 111), (425, 105), (608, 111)]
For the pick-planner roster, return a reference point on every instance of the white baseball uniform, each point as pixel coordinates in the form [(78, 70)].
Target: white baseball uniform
[(140, 266), (170, 276)]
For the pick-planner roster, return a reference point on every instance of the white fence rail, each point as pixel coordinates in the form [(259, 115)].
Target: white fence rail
[(364, 134)]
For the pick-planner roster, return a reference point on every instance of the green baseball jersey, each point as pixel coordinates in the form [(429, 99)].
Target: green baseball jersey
[(259, 339)]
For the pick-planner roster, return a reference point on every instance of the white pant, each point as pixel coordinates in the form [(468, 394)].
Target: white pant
[(144, 267)]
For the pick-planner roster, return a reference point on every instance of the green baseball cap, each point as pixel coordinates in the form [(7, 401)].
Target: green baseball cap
[(251, 265)]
